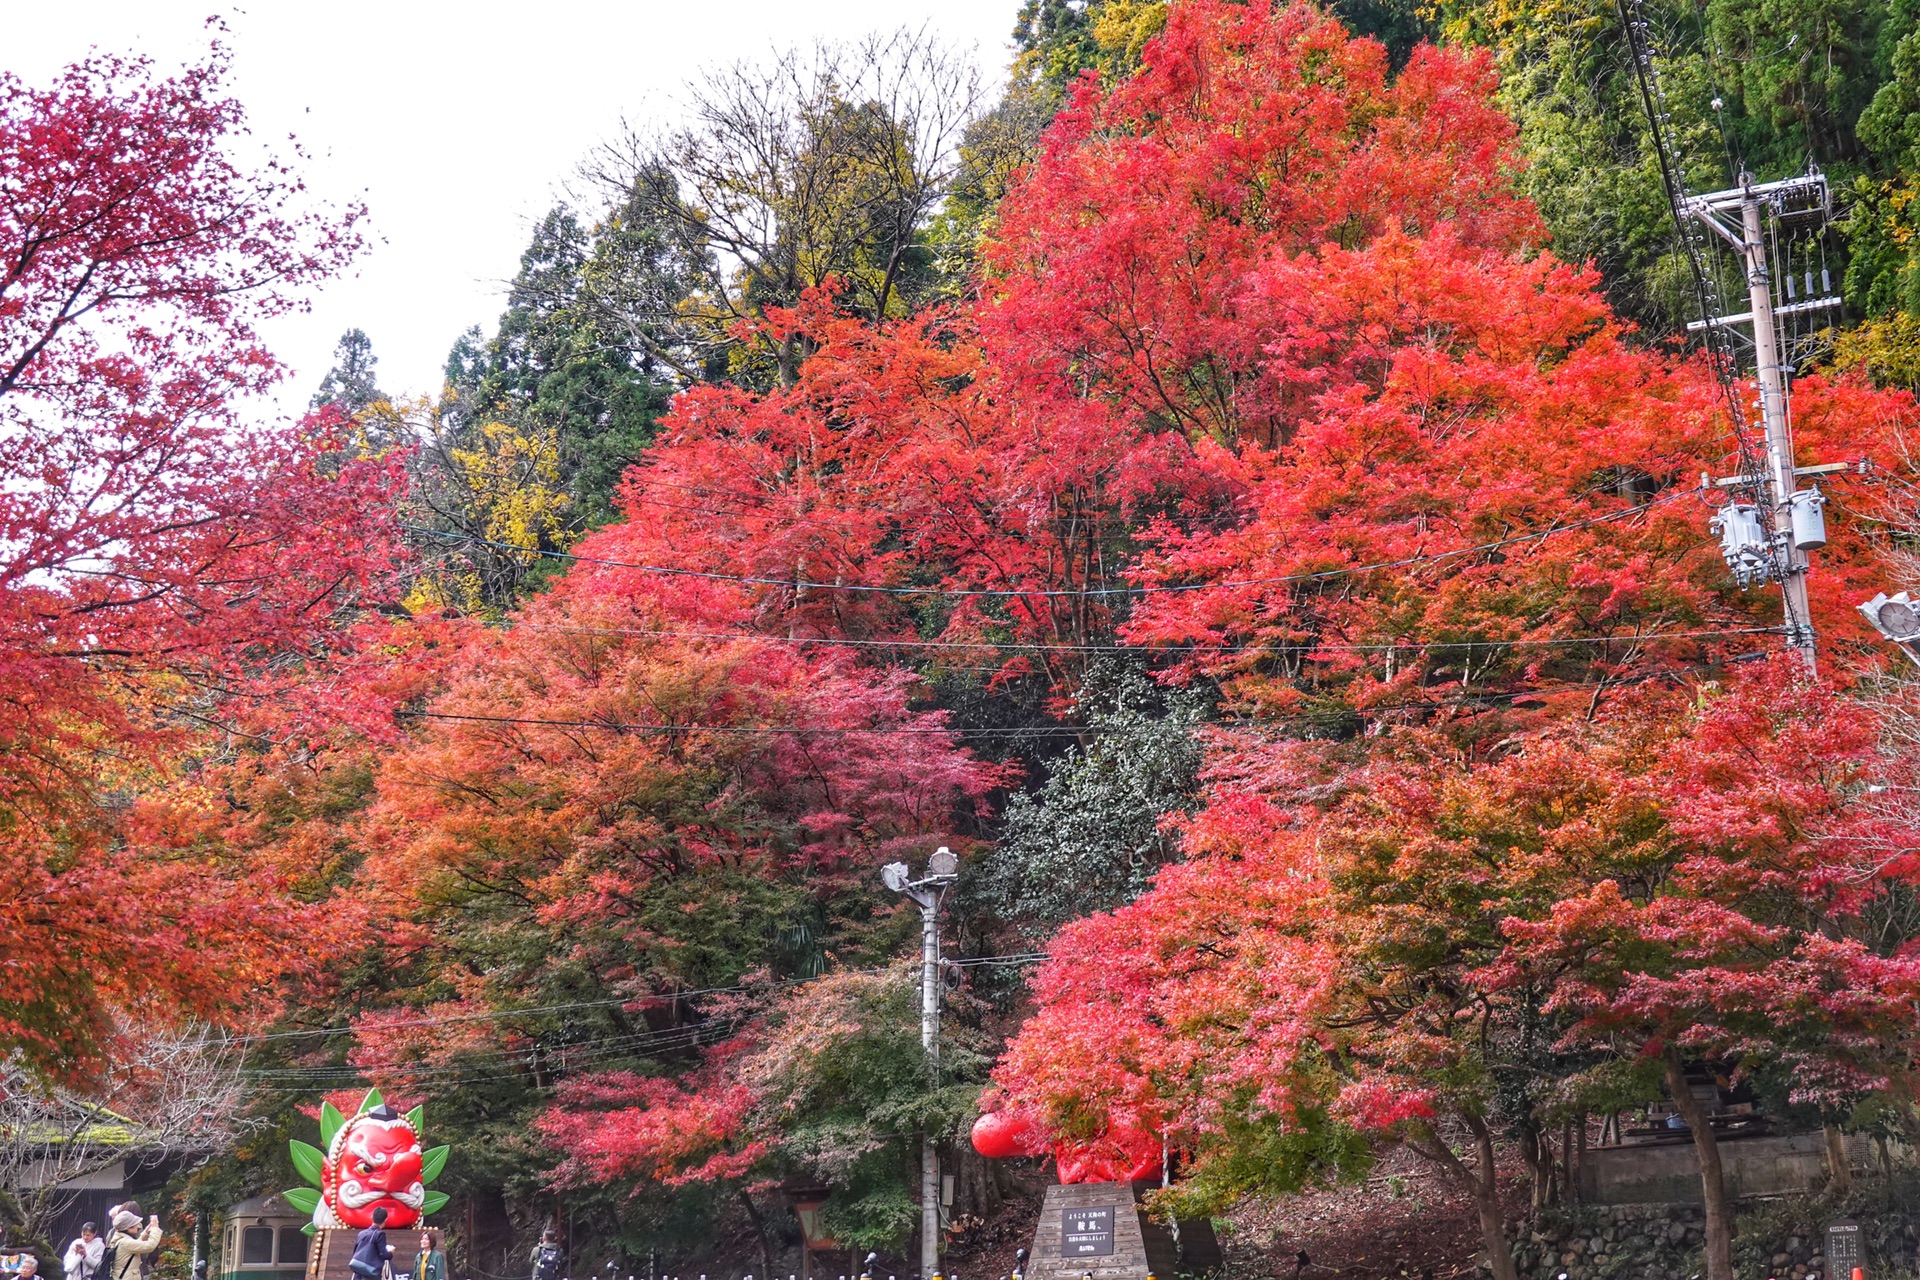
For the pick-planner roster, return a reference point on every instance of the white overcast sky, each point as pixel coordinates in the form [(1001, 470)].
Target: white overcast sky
[(456, 123)]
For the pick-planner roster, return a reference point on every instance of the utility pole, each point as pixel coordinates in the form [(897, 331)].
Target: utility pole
[(942, 870), (1773, 413), (1775, 547)]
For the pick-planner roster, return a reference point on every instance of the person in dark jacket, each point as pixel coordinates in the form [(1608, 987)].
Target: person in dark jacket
[(370, 1248)]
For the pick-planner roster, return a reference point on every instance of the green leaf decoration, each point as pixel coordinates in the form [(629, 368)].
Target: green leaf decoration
[(305, 1199), (418, 1119), (434, 1203), (330, 1122), (372, 1100), (308, 1160), (309, 1230), (432, 1163)]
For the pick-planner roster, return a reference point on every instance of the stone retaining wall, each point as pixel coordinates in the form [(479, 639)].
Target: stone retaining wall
[(1777, 1239)]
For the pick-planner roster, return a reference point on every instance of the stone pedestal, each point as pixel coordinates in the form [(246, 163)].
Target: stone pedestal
[(332, 1248), (1099, 1229)]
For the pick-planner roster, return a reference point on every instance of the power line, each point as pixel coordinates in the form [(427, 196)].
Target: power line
[(1031, 731), (799, 584), (486, 1065), (1715, 339), (997, 646), (812, 730), (1331, 715), (654, 997), (623, 1041), (494, 1015), (562, 1057)]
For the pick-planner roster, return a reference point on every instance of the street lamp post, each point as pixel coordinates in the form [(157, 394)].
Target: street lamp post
[(942, 869)]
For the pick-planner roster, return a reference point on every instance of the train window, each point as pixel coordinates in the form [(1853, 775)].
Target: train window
[(293, 1247), (256, 1247)]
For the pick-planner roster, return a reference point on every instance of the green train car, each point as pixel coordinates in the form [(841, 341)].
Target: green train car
[(261, 1239)]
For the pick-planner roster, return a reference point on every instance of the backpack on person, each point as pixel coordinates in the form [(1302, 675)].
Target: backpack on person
[(547, 1266)]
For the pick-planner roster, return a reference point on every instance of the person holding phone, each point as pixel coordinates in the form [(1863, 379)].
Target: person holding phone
[(131, 1244), (84, 1255)]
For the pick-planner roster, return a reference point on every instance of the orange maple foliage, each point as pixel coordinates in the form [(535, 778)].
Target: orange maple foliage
[(1667, 885), (157, 548)]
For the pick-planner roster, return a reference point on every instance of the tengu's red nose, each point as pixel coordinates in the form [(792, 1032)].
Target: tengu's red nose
[(404, 1171)]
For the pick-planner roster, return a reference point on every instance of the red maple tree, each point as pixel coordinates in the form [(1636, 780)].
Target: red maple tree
[(156, 545), (1666, 887), (1266, 363)]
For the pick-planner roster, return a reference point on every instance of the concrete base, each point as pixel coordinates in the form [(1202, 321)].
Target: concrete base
[(1670, 1173), (1099, 1229)]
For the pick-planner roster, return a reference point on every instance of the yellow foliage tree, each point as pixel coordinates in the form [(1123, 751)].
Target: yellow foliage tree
[(487, 507)]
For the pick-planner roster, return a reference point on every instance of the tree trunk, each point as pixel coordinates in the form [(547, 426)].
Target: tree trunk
[(1838, 1174), (1532, 1156), (977, 1186), (1566, 1159), (1481, 1182), (1579, 1159), (789, 360), (491, 1248), (1713, 1178), (759, 1234), (1486, 1202)]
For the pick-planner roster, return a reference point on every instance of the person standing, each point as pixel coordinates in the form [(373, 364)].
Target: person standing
[(546, 1256), (84, 1255), (131, 1244), (430, 1263), (371, 1251)]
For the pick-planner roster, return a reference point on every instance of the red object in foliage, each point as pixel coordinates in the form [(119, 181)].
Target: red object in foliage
[(1119, 1155), (1000, 1135)]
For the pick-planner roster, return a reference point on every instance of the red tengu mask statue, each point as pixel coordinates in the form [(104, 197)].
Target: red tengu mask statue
[(373, 1162)]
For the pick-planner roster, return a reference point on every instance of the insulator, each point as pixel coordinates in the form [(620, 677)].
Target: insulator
[(1826, 285), (1809, 282), (1790, 293)]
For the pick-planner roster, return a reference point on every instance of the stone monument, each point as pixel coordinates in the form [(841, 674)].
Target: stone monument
[(1100, 1229), (1843, 1249)]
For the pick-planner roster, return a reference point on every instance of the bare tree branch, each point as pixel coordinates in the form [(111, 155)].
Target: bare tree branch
[(166, 1094)]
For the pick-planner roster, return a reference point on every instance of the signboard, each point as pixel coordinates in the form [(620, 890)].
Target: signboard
[(1844, 1251), (1086, 1233)]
